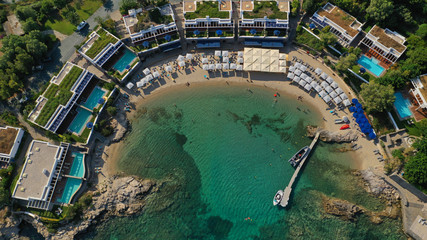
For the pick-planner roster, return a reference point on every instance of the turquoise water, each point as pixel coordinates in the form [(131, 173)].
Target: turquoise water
[(71, 187), (220, 153), (92, 100), (371, 64), (402, 105), (124, 61), (78, 166), (80, 120)]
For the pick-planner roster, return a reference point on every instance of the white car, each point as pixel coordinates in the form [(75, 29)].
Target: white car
[(81, 25)]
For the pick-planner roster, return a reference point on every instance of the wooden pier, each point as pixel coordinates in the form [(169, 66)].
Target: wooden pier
[(288, 189)]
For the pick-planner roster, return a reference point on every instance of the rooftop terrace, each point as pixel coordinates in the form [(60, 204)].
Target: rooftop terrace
[(341, 18), (7, 139), (269, 9), (96, 44), (388, 38), (213, 9), (144, 20)]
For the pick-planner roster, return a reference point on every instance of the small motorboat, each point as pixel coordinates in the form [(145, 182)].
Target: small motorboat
[(278, 197), (344, 127), (295, 159), (338, 121)]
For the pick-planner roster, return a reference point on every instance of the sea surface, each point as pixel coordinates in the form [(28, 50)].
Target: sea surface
[(220, 154)]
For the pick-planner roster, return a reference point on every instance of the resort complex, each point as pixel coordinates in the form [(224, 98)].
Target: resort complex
[(10, 139)]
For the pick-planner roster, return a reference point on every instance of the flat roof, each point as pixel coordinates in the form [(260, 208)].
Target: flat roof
[(7, 139), (189, 5), (247, 5), (341, 18), (283, 5), (225, 5), (387, 39), (34, 179)]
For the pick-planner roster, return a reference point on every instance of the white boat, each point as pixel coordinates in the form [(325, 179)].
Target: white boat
[(278, 197), (338, 121)]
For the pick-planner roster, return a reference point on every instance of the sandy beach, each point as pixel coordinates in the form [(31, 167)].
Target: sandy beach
[(194, 76)]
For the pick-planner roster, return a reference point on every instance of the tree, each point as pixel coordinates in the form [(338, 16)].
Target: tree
[(346, 62), (36, 48), (416, 167), (30, 25), (327, 38), (294, 7), (59, 4), (377, 97), (422, 31), (310, 6), (127, 5), (112, 110), (380, 10), (25, 12)]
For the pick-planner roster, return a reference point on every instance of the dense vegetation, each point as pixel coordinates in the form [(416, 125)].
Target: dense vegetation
[(207, 9), (416, 166), (127, 5), (265, 8), (377, 97), (100, 43), (6, 180)]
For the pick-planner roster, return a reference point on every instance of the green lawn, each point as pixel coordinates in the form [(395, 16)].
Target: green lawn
[(366, 75), (266, 8), (204, 9), (61, 25), (306, 38), (88, 8), (100, 43)]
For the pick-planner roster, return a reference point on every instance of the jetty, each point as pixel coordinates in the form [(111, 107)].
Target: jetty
[(288, 189)]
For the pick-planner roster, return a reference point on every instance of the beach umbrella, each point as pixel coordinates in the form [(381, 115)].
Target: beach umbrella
[(308, 87), (303, 68), (298, 65), (211, 66), (196, 32), (358, 105), (168, 38), (329, 89), (140, 84), (181, 63), (343, 96), (225, 66), (297, 72), (304, 76), (205, 67), (337, 100), (352, 109), (365, 130), (347, 103), (233, 66), (145, 44), (312, 25), (291, 75), (168, 68), (180, 58), (324, 84), (239, 60), (296, 79), (345, 119), (225, 53), (291, 69), (189, 56), (225, 59), (89, 125), (333, 94), (218, 66), (129, 86), (314, 83), (156, 74), (355, 115), (240, 53), (323, 93), (309, 80), (205, 60), (324, 76), (253, 31), (372, 135), (339, 90), (239, 67), (318, 89), (318, 71), (149, 77), (327, 99), (218, 53), (329, 80), (276, 32), (218, 32), (334, 84), (354, 101), (302, 83), (146, 71), (362, 70)]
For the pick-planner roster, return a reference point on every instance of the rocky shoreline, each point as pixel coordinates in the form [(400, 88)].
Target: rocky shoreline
[(327, 136)]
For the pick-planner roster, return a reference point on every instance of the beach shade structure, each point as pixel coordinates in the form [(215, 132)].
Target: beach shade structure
[(333, 94), (308, 87), (323, 93), (355, 115), (89, 125), (304, 76), (314, 84), (303, 68), (297, 72), (337, 100), (196, 32), (240, 60), (365, 130), (168, 68), (312, 26), (309, 80), (276, 32), (146, 71), (334, 84), (343, 96), (180, 58), (282, 63), (329, 89), (156, 74), (345, 119), (168, 38), (324, 76), (354, 101), (225, 53), (145, 44), (327, 99), (225, 59), (233, 66), (181, 63), (211, 67), (140, 83), (205, 67), (372, 135), (352, 109), (149, 77), (219, 32), (240, 53), (282, 69), (291, 69), (253, 31), (318, 88), (291, 75), (129, 86), (296, 79), (225, 66), (189, 56), (218, 53), (362, 70), (329, 80), (298, 65), (318, 71), (205, 60), (302, 83), (239, 68), (339, 90), (282, 56), (359, 106), (218, 66), (324, 84), (347, 103)]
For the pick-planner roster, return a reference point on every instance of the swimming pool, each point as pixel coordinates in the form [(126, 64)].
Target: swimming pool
[(80, 120), (371, 64), (124, 61), (78, 167), (402, 105), (92, 100), (71, 187)]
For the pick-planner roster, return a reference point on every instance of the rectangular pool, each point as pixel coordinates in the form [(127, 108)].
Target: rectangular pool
[(80, 120), (71, 187), (402, 106), (124, 61), (78, 166), (371, 64), (92, 100)]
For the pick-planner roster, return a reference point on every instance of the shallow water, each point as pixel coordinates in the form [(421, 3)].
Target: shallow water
[(222, 154)]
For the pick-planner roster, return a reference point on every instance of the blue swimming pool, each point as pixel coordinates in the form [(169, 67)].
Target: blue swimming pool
[(79, 122), (78, 167), (124, 61), (371, 64), (92, 100), (402, 105), (71, 187)]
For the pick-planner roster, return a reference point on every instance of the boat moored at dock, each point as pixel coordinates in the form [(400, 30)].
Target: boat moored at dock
[(296, 159), (278, 197)]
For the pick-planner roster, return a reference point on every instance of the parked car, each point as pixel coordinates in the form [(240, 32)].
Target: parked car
[(81, 25)]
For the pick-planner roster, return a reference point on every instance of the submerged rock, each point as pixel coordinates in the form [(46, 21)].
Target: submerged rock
[(341, 208)]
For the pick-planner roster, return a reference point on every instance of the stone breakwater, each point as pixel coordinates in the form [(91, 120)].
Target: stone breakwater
[(115, 197), (327, 136)]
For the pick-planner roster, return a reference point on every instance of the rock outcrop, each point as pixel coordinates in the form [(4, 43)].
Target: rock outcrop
[(376, 185), (327, 136), (8, 225), (341, 208)]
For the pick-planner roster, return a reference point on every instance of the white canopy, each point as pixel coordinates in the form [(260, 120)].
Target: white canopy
[(327, 99), (168, 68), (346, 102), (333, 94), (156, 74), (149, 77), (296, 79), (298, 65), (291, 75), (291, 69), (334, 84), (218, 53), (205, 60), (239, 67), (233, 66), (211, 66), (282, 63), (218, 66), (343, 96), (302, 82), (282, 69), (323, 93), (146, 71), (225, 53), (329, 89), (145, 80), (282, 56), (339, 90), (308, 87), (304, 76), (181, 63), (318, 71), (240, 53), (297, 72), (324, 76), (130, 85), (180, 58), (225, 59), (318, 89), (205, 67), (189, 56), (140, 84), (309, 79), (314, 84), (225, 66), (324, 84), (303, 68), (329, 80), (337, 100), (240, 60)]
